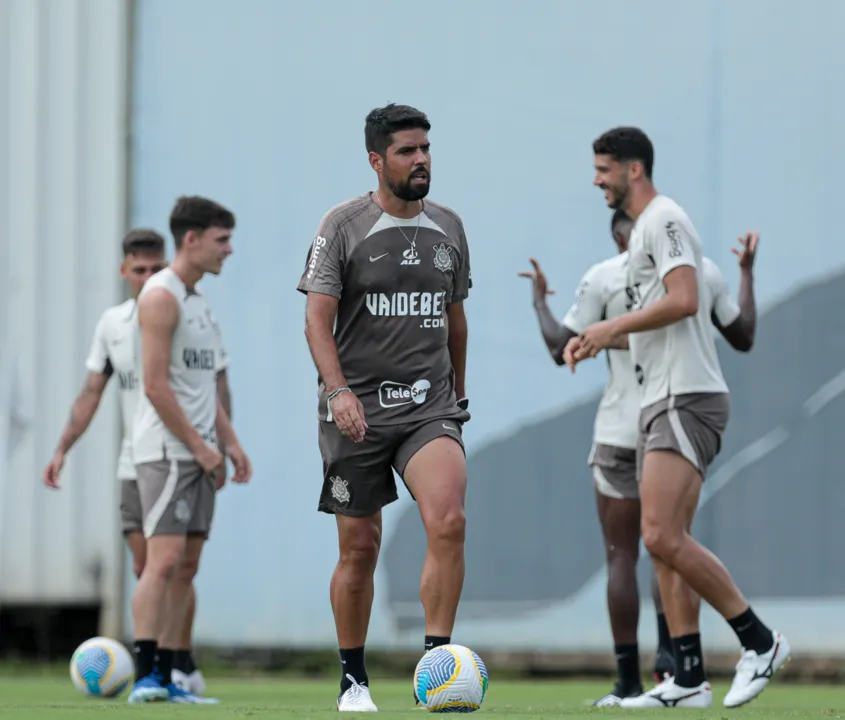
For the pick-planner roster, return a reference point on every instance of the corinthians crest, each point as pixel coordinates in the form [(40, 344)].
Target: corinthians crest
[(340, 490), (443, 257)]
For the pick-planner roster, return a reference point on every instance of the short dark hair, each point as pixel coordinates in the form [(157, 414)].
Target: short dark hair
[(192, 212), (381, 123), (626, 143), (140, 241), (619, 216)]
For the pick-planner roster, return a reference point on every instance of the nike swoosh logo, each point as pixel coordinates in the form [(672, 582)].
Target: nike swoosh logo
[(448, 427), (688, 647), (373, 259)]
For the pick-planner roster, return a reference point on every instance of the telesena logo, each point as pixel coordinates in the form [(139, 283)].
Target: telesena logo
[(319, 244), (393, 394)]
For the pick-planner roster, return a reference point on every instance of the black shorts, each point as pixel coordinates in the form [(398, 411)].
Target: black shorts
[(358, 477)]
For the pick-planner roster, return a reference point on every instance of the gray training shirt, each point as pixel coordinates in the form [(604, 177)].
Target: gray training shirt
[(391, 330)]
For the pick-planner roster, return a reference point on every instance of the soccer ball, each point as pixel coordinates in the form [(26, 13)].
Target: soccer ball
[(450, 678), (101, 667)]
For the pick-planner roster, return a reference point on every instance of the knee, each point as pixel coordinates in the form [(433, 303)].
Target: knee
[(662, 542), (359, 549), (163, 565), (448, 528), (620, 557), (187, 570)]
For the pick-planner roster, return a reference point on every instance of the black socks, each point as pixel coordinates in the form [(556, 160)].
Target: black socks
[(352, 663), (183, 661), (628, 669), (164, 665), (433, 641), (752, 634), (689, 663), (664, 640), (145, 658)]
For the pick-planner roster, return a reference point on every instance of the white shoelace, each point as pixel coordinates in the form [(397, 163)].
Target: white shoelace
[(355, 692), (747, 662)]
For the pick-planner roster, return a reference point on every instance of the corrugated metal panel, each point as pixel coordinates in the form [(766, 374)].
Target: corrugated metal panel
[(63, 84)]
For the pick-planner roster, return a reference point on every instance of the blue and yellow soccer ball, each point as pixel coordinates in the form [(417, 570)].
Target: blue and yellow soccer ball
[(101, 667), (450, 678)]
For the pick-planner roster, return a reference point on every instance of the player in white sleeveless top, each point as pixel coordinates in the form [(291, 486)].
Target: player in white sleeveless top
[(603, 293), (685, 407), (112, 355), (175, 434)]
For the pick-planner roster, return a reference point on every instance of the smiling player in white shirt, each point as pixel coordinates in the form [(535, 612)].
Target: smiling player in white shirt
[(684, 411), (602, 294)]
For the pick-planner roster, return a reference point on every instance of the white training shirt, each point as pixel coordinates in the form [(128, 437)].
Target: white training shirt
[(679, 358), (196, 356), (113, 354), (603, 294)]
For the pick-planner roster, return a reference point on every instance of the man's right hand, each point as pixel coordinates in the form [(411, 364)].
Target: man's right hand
[(348, 415), (53, 470), (747, 250), (209, 459)]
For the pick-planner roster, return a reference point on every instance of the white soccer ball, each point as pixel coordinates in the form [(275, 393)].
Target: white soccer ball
[(101, 667), (450, 678)]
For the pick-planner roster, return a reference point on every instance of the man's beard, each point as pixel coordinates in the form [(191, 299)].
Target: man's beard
[(407, 192)]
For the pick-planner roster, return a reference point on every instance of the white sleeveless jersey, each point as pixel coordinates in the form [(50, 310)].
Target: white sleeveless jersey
[(196, 356), (679, 358), (603, 294), (113, 355)]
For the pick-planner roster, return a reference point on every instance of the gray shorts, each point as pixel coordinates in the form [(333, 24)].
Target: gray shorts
[(615, 471), (358, 477), (177, 498), (131, 515), (690, 425)]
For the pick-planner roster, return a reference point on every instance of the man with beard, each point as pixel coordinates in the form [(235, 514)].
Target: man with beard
[(684, 412), (385, 283)]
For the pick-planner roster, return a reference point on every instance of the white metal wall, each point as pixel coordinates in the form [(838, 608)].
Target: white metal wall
[(63, 140)]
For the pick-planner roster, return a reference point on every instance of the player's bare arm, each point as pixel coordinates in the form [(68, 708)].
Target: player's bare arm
[(741, 332), (225, 397), (81, 413), (228, 439), (223, 392), (158, 316), (680, 301), (345, 408), (457, 344), (555, 334)]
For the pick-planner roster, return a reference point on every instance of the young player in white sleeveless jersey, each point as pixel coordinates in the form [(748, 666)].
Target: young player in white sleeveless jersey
[(175, 432), (603, 294), (684, 412), (112, 355)]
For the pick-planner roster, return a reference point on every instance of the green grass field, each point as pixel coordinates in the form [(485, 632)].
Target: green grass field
[(51, 697)]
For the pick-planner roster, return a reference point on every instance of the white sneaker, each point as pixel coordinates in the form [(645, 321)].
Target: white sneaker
[(669, 695), (609, 700), (356, 699), (193, 683), (753, 671), (615, 697)]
